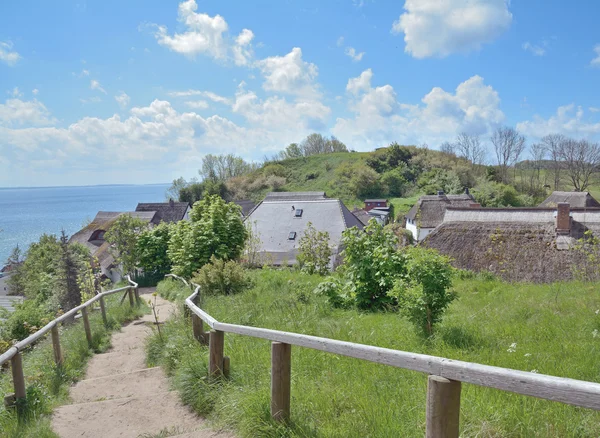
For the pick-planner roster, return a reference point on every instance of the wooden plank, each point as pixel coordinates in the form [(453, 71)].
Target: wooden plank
[(198, 329), (131, 297), (443, 408), (216, 347), (16, 365), (201, 313), (86, 325), (281, 368), (103, 311), (58, 357)]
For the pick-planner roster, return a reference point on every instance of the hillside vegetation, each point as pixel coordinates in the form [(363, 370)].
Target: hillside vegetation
[(550, 329)]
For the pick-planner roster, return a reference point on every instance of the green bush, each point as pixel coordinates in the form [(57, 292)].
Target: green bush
[(221, 277), (28, 317), (314, 254)]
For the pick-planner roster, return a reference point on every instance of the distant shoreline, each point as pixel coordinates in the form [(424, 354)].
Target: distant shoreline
[(84, 186)]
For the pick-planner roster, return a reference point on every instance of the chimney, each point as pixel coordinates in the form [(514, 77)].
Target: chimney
[(474, 205), (171, 203), (440, 193), (563, 218)]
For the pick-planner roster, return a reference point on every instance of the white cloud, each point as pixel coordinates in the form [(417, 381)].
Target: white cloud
[(123, 99), (442, 27), (16, 112), (7, 55), (379, 117), (534, 49), (15, 92), (289, 74), (340, 41), (569, 120), (594, 109), (197, 104), (242, 50), (596, 61), (35, 91), (351, 52), (207, 94), (84, 73), (95, 85)]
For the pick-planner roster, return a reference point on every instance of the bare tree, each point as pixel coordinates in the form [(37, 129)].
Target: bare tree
[(508, 146), (552, 144), (469, 146), (581, 160), (448, 148), (537, 153)]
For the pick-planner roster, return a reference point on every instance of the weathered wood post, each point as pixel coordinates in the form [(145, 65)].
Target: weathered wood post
[(103, 310), (198, 328), (216, 347), (131, 301), (58, 357), (86, 326), (443, 407), (16, 365), (281, 372)]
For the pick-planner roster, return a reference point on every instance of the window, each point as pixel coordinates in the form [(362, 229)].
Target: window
[(292, 235), (298, 212)]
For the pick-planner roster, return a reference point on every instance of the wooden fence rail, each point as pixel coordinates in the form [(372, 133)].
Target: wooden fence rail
[(13, 354), (445, 375)]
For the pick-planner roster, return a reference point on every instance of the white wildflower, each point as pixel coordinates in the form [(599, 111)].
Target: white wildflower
[(512, 348), (535, 371), (597, 311), (527, 354), (595, 333)]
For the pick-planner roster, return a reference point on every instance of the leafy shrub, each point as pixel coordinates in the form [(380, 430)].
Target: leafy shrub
[(333, 289), (274, 169), (152, 246), (222, 277), (314, 253), (423, 292), (28, 317)]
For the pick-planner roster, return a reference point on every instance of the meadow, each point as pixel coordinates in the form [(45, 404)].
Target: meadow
[(549, 329)]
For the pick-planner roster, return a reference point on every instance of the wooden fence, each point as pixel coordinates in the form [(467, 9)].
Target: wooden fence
[(14, 353), (444, 381)]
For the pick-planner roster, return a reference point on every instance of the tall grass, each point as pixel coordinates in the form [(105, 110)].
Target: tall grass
[(554, 329), (47, 384)]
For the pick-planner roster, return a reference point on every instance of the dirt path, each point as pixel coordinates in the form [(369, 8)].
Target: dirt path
[(120, 397)]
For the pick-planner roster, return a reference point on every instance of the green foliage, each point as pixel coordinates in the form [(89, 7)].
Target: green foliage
[(122, 237), (151, 247), (372, 263), (221, 277), (394, 182), (494, 194), (314, 252), (216, 228), (173, 289), (588, 252), (439, 179), (423, 292), (27, 318)]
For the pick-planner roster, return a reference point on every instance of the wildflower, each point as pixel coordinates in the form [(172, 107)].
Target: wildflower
[(597, 311), (535, 371), (512, 348), (527, 354), (595, 333)]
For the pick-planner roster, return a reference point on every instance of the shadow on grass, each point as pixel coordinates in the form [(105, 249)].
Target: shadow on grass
[(460, 338)]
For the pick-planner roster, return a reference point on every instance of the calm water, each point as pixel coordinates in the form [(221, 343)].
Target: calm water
[(27, 213)]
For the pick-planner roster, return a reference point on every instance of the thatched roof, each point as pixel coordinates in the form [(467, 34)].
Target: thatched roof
[(429, 210), (165, 211), (574, 199), (516, 251)]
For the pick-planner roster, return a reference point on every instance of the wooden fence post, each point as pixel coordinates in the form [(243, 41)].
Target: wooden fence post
[(137, 295), (103, 310), (86, 326), (281, 370), (16, 365), (216, 347), (58, 357), (443, 407), (131, 302), (198, 328), (226, 366)]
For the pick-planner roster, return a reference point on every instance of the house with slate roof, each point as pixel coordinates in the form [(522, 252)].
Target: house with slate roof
[(166, 211), (281, 219)]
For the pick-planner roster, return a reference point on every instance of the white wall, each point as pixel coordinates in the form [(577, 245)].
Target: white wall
[(413, 229)]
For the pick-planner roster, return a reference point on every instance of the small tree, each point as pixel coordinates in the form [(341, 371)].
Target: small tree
[(122, 237), (253, 245), (151, 247), (423, 292), (221, 277), (16, 282), (314, 253), (69, 293)]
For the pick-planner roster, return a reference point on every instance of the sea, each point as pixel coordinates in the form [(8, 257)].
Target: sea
[(27, 213)]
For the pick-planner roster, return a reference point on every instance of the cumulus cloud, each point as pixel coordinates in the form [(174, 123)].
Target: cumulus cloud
[(123, 99), (440, 28), (7, 54), (16, 112), (35, 91), (207, 94), (351, 52), (197, 104), (569, 120), (379, 117), (596, 61), (242, 50), (289, 74), (95, 85)]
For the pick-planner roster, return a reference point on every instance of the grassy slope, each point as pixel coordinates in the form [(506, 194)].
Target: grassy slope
[(552, 326), (47, 385)]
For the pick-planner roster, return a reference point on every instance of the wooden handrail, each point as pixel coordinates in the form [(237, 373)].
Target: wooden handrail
[(570, 391)]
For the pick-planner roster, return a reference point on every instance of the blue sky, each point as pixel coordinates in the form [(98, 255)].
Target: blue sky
[(138, 91)]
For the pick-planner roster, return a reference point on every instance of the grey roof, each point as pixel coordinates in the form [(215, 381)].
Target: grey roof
[(295, 196), (378, 212), (275, 219), (246, 205), (362, 216), (165, 211), (429, 210), (375, 200), (575, 199)]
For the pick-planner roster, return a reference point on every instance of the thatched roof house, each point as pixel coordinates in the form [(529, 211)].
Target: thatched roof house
[(574, 199), (165, 211), (429, 212), (518, 244), (282, 217)]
